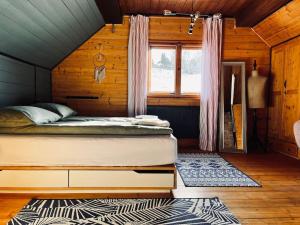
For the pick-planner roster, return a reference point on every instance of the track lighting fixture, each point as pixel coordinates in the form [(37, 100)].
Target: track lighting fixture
[(193, 16)]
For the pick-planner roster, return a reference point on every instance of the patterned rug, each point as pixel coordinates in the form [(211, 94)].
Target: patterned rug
[(209, 211), (211, 170)]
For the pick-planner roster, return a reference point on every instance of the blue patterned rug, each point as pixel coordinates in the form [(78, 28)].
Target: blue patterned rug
[(211, 170), (208, 211)]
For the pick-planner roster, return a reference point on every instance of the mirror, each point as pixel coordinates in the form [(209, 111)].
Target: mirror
[(233, 117)]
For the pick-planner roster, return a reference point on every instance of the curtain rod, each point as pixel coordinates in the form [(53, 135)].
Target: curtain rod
[(179, 15)]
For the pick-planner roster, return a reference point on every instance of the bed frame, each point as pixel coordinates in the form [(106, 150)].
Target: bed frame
[(115, 181)]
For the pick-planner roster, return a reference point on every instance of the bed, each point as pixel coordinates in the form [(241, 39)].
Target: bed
[(88, 155)]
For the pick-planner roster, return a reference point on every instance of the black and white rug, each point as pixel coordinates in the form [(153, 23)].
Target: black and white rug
[(211, 170), (209, 211)]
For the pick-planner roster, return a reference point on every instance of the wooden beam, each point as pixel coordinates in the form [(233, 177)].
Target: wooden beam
[(256, 11), (110, 11)]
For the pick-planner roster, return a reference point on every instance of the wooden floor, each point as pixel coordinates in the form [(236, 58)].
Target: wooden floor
[(277, 202)]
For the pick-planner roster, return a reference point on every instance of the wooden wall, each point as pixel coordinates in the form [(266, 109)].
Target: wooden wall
[(74, 76), (282, 25), (242, 44)]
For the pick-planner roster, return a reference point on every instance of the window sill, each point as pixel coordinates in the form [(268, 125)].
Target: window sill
[(167, 100)]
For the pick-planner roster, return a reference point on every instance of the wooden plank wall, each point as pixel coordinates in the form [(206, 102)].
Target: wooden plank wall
[(74, 76), (282, 25), (242, 44)]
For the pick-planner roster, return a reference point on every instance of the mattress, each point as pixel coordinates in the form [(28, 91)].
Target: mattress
[(79, 150), (90, 126)]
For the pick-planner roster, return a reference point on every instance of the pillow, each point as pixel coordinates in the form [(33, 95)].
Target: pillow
[(35, 114), (62, 110), (13, 118)]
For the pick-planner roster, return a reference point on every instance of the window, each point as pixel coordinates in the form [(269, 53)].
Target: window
[(191, 60), (163, 67), (175, 70)]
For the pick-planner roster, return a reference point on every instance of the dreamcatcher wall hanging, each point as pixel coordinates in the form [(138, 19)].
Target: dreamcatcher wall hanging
[(99, 61)]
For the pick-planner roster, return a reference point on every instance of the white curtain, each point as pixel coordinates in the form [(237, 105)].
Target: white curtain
[(210, 82), (137, 65)]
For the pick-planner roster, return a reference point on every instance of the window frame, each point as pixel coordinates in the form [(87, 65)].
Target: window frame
[(178, 46)]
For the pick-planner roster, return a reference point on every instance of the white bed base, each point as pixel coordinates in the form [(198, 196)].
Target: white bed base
[(35, 164), (87, 180)]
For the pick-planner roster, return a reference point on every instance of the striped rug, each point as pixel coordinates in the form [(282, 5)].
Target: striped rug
[(208, 211)]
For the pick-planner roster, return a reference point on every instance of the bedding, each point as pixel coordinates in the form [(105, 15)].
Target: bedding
[(79, 150), (151, 122), (146, 120), (13, 118), (37, 137), (16, 116), (90, 126), (62, 110)]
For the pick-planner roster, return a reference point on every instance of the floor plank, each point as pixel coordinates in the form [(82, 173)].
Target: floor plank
[(276, 202)]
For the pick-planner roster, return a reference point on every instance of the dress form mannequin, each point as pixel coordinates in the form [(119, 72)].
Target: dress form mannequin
[(256, 100), (257, 91)]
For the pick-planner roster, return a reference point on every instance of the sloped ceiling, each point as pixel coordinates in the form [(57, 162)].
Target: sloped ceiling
[(281, 26), (43, 32)]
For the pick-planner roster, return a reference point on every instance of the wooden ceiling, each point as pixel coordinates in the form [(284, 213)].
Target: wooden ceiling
[(247, 12)]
